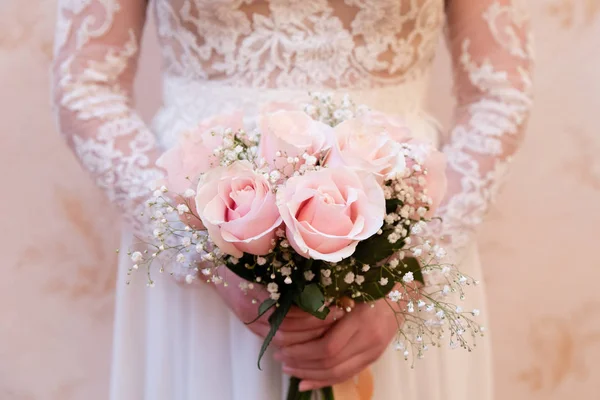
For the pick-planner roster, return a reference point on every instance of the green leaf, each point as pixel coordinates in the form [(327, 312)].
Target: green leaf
[(275, 320), (263, 308), (376, 291), (240, 268), (311, 298), (371, 288), (392, 205), (376, 248)]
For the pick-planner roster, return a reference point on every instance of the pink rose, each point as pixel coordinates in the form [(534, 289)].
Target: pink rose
[(434, 162), (394, 125), (274, 106), (193, 153), (237, 207), (291, 134), (327, 212), (367, 147)]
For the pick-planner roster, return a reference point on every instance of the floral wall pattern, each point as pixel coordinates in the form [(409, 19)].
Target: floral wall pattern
[(539, 244)]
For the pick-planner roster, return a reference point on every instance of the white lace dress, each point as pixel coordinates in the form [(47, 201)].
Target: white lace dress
[(176, 342)]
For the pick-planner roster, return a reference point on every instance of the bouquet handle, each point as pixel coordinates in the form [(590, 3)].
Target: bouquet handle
[(360, 387)]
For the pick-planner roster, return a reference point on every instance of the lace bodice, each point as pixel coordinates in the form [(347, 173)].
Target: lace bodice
[(299, 43), (295, 44)]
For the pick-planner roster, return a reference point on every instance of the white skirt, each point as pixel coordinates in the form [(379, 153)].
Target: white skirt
[(180, 342)]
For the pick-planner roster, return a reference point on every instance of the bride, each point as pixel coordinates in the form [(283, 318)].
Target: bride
[(184, 342)]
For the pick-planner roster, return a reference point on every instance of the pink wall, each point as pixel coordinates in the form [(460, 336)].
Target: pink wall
[(539, 245)]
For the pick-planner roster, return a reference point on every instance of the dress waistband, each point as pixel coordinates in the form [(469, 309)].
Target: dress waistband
[(186, 102)]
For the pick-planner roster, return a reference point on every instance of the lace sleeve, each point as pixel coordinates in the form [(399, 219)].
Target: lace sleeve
[(491, 50), (96, 51)]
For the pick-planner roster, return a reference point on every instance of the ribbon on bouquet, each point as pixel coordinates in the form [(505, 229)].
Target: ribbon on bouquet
[(361, 387)]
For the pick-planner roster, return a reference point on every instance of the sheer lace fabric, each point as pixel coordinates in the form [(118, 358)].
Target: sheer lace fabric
[(258, 45)]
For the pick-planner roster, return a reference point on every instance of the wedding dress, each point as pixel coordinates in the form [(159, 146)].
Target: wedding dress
[(177, 342)]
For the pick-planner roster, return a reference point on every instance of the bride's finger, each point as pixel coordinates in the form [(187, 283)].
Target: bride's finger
[(345, 354), (310, 322), (284, 339), (297, 312), (332, 343), (334, 375)]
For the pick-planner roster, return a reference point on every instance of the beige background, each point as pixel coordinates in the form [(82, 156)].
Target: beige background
[(540, 245)]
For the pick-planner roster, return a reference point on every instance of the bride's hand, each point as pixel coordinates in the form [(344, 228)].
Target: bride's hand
[(348, 348), (297, 328)]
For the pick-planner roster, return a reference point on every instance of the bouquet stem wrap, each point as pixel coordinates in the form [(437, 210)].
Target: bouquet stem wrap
[(360, 387)]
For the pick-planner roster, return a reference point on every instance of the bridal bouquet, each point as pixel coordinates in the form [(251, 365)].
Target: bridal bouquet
[(325, 206)]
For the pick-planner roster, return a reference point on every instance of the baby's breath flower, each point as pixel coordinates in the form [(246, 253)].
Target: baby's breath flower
[(227, 142), (383, 281), (408, 277), (261, 260), (136, 257), (189, 193), (182, 209), (349, 278), (180, 258), (395, 296), (309, 275), (440, 253), (272, 287)]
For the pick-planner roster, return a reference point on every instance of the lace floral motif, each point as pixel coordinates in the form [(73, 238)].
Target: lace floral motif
[(93, 96), (299, 44), (493, 85)]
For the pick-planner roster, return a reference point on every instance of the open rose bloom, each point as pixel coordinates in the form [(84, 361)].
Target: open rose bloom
[(316, 203)]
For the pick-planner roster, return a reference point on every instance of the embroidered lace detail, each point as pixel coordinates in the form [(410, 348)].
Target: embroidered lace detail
[(493, 57), (299, 43), (96, 52)]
